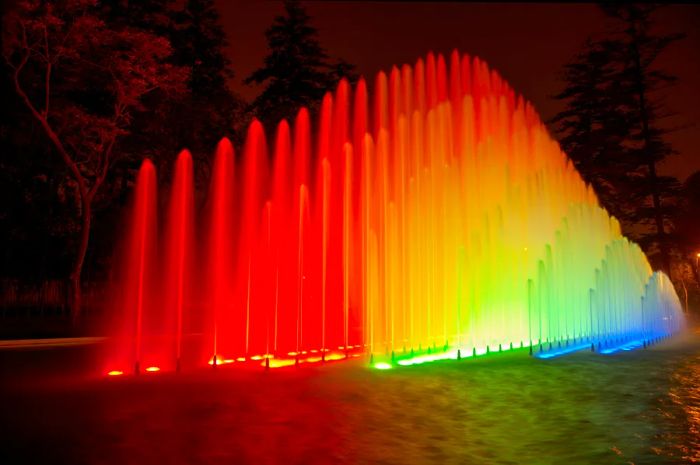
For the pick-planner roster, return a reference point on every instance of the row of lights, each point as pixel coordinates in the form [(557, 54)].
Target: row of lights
[(269, 360), (152, 369)]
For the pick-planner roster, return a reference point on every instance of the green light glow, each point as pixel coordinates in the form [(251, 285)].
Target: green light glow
[(405, 360), (382, 366), (449, 355)]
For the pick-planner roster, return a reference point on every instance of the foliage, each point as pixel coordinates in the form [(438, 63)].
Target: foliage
[(592, 128), (83, 83), (687, 224), (297, 72), (212, 110), (613, 128)]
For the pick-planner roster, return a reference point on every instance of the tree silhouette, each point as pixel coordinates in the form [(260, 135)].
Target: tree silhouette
[(656, 194), (612, 125), (688, 223), (83, 82), (211, 107), (297, 72), (206, 110), (592, 128)]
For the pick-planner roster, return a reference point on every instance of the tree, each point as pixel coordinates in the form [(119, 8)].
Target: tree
[(686, 266), (207, 111), (83, 82), (646, 147), (612, 125), (591, 128), (688, 223), (297, 72), (211, 107)]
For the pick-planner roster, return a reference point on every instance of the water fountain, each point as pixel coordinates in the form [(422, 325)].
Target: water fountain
[(447, 224)]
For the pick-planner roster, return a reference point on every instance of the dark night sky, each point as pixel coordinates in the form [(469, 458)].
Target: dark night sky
[(527, 43)]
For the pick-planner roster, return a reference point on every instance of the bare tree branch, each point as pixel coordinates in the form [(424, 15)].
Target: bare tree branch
[(105, 162), (53, 137), (47, 84)]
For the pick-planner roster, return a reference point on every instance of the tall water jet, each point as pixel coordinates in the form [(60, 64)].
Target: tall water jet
[(253, 274), (301, 240), (283, 278), (221, 257), (136, 279), (178, 274)]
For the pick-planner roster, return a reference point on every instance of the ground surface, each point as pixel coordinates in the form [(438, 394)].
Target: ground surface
[(640, 407)]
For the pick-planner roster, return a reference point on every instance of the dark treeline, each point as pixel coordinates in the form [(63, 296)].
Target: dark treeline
[(614, 126), (90, 89)]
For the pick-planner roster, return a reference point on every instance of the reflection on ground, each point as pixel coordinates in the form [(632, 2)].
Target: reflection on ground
[(634, 407)]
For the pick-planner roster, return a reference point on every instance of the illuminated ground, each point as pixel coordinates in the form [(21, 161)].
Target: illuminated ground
[(635, 407)]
